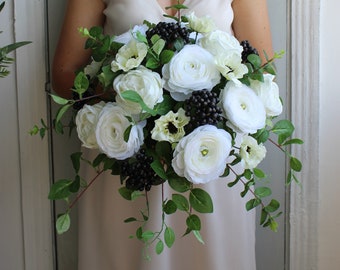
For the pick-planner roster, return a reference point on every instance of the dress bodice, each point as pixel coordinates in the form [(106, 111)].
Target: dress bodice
[(121, 15)]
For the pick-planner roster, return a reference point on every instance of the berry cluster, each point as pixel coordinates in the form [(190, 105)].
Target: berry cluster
[(202, 109), (139, 175), (247, 50), (169, 31)]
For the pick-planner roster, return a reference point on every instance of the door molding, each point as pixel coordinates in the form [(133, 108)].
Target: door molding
[(304, 74)]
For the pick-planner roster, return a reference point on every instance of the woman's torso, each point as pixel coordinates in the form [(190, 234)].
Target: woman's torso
[(121, 15)]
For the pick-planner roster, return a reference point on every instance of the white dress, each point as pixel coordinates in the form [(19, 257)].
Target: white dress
[(229, 232)]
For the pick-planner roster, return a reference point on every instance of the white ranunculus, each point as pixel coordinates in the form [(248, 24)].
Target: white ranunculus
[(243, 109), (251, 152), (86, 122), (231, 67), (202, 155), (127, 36), (170, 127), (191, 69), (268, 91), (203, 24), (110, 129), (129, 56), (146, 83), (219, 42)]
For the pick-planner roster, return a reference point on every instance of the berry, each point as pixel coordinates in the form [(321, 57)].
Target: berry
[(170, 32), (138, 174), (202, 109), (247, 50)]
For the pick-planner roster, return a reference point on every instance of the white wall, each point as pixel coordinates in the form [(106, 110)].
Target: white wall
[(329, 218)]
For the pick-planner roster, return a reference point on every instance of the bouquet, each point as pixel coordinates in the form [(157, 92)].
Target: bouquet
[(177, 103)]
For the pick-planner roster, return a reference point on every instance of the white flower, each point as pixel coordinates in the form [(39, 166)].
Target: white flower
[(110, 130), (146, 83), (201, 24), (129, 56), (92, 68), (127, 36), (268, 91), (251, 152), (170, 127), (86, 122), (231, 67), (191, 69), (243, 108), (202, 155), (219, 42)]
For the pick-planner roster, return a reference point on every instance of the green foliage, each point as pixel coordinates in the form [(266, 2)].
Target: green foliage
[(5, 60)]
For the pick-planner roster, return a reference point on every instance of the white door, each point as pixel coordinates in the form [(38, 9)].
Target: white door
[(270, 246)]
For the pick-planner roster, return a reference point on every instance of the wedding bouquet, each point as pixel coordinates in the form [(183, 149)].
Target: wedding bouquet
[(178, 103)]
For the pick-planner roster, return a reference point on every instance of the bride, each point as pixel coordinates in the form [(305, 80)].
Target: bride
[(229, 232)]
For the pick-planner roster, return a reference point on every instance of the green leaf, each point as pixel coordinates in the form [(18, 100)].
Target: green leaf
[(127, 133), (59, 100), (261, 135), (264, 215), (81, 83), (129, 220), (99, 159), (201, 201), (75, 186), (147, 235), (165, 106), (158, 46), (60, 190), (159, 247), (263, 192), (272, 206), (170, 207), (75, 157), (63, 223), (125, 193), (293, 141), (152, 63), (181, 202), (169, 237), (177, 183), (158, 168), (135, 97), (259, 173), (166, 56), (198, 237), (273, 225), (284, 129), (96, 31), (295, 164), (193, 222), (62, 110), (139, 233), (251, 204), (255, 60)]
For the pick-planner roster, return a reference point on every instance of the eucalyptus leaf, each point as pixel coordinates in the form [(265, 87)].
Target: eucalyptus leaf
[(60, 190), (272, 206), (170, 207), (177, 183), (251, 204), (59, 100), (76, 157), (63, 223), (159, 247), (158, 168), (169, 237), (181, 202), (201, 201), (193, 222), (295, 164), (263, 192), (198, 237)]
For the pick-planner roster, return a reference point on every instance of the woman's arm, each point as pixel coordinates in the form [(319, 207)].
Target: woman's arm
[(70, 55), (251, 22)]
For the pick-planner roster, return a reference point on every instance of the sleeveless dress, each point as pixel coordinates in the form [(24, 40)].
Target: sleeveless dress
[(228, 233)]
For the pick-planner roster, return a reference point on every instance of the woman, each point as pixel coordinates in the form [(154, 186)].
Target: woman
[(229, 232)]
